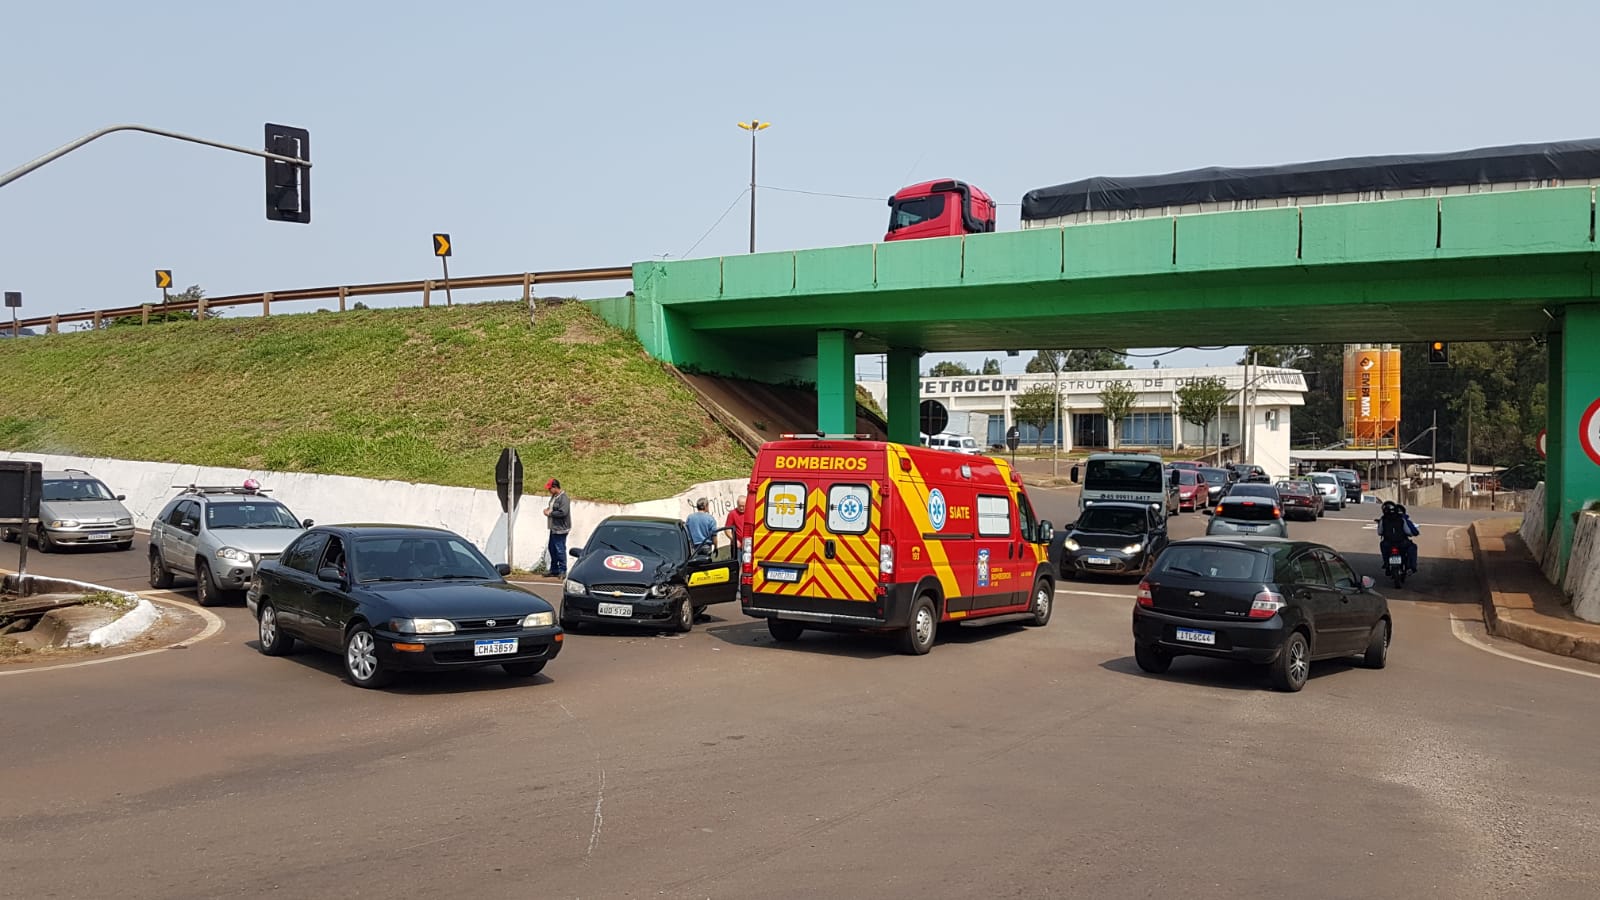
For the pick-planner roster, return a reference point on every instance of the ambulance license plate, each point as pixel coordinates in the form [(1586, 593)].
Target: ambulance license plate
[(495, 647), (1196, 636), (624, 610), (789, 575)]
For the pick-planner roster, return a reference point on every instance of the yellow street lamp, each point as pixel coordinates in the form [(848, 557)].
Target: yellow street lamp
[(753, 126)]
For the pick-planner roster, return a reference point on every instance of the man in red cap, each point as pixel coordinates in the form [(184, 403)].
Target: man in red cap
[(559, 515)]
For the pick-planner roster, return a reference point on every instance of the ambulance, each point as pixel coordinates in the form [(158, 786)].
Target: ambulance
[(853, 534)]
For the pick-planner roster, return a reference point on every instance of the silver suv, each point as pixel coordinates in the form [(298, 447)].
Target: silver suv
[(78, 508), (217, 535)]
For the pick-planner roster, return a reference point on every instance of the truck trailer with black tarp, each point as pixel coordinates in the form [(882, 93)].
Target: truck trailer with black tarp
[(1213, 189)]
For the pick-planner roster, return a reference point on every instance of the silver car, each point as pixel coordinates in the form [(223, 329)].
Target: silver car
[(217, 536), (77, 508), (1249, 509), (1332, 489)]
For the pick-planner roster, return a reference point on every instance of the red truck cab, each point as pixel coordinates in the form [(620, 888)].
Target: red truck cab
[(939, 209)]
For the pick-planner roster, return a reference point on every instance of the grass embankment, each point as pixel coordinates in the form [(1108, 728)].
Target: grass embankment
[(424, 395)]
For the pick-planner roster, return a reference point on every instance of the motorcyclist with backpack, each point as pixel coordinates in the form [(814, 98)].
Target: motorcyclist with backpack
[(1396, 527)]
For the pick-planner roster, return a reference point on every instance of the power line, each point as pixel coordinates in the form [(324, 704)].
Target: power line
[(716, 223)]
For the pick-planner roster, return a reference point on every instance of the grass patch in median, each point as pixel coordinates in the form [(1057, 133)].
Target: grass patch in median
[(423, 395)]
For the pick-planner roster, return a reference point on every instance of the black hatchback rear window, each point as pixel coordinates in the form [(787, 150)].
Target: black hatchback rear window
[(1208, 561)]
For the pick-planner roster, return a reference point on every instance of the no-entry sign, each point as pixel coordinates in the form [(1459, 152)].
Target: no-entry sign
[(1589, 431), (1544, 452)]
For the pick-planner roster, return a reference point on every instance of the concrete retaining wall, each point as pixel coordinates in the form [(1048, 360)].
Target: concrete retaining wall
[(1583, 568), (1532, 532), (474, 514)]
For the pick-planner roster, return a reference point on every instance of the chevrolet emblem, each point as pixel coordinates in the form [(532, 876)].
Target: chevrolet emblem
[(1197, 593), (616, 593)]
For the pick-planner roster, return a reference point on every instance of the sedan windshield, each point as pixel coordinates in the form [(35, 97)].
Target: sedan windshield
[(423, 557), (664, 541), (1215, 477), (1112, 519), (249, 515), (66, 489)]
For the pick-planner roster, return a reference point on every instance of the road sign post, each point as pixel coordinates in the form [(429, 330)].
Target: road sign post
[(1013, 438), (508, 484), (21, 487), (13, 303), (164, 282), (441, 249), (933, 417)]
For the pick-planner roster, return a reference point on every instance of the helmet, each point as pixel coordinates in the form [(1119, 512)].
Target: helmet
[(1390, 506)]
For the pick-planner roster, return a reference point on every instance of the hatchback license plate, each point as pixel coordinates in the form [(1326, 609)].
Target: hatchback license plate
[(1098, 561), (624, 610), (1196, 636), (789, 575), (494, 647), (100, 536)]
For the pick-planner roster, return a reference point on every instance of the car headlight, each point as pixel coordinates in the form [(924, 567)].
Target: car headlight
[(1134, 547), (233, 554), (423, 626), (64, 523), (1070, 544), (575, 587), (659, 590), (539, 620), (124, 522)]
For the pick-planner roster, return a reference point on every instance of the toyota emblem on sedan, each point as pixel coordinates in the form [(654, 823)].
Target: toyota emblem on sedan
[(488, 623)]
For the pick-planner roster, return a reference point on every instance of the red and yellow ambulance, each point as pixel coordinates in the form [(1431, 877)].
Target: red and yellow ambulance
[(852, 534)]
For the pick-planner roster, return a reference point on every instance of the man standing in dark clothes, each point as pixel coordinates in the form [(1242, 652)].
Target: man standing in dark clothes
[(559, 514)]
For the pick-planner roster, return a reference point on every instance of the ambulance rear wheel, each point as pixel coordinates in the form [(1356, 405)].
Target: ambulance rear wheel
[(923, 625), (784, 631), (1043, 603)]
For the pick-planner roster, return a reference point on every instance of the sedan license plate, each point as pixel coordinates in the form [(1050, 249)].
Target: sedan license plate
[(100, 536), (1196, 636), (624, 610), (494, 647), (1098, 561), (789, 575), (1394, 560)]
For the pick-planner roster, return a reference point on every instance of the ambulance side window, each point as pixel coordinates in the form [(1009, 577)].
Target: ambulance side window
[(1025, 515), (849, 508), (786, 506), (994, 516)]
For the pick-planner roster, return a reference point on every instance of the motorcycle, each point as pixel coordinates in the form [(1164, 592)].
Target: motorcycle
[(1394, 563)]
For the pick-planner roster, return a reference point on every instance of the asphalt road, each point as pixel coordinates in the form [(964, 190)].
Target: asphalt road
[(1010, 762)]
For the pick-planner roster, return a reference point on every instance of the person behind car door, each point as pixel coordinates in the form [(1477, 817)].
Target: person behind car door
[(700, 524)]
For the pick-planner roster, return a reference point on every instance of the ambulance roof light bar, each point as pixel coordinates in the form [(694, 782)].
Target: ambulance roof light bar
[(817, 436)]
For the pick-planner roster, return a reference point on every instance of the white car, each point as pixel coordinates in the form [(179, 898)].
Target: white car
[(1332, 490), (960, 443)]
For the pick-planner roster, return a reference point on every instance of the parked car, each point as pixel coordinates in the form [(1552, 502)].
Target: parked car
[(1193, 492), (960, 443), (77, 508), (393, 598), (640, 570), (1332, 490), (1113, 538), (218, 536), (1300, 498), (1350, 480), (1282, 604), (1217, 481), (1249, 509), (1251, 473)]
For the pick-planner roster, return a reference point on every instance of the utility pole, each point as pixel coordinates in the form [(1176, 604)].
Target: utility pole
[(753, 126)]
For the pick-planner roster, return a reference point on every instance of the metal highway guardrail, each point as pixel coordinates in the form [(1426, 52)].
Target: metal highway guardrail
[(342, 293)]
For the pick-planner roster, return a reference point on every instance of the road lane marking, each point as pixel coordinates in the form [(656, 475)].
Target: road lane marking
[(213, 622), (1095, 594), (1459, 629)]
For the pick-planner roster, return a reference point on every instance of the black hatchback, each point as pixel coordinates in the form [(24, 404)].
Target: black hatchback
[(395, 597), (1267, 601), (1113, 538)]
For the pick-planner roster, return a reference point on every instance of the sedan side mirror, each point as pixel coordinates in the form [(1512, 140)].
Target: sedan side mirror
[(122, 496), (575, 552), (330, 575), (502, 569), (1044, 532), (1367, 583), (307, 523)]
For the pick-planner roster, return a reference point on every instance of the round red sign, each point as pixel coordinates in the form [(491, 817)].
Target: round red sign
[(1589, 431), (1543, 452)]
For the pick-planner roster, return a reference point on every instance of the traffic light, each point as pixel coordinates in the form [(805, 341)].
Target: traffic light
[(1439, 353), (288, 185)]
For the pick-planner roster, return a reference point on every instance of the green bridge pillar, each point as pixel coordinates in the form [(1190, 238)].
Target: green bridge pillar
[(1572, 482), (905, 391), (836, 382)]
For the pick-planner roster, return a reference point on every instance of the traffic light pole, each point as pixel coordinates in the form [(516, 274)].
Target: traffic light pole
[(64, 149)]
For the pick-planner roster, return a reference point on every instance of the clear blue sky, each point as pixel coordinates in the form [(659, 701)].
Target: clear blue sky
[(604, 133)]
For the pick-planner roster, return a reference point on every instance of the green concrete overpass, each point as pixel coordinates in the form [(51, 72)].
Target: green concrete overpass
[(1490, 266)]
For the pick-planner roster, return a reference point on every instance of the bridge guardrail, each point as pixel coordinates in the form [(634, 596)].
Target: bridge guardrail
[(426, 287)]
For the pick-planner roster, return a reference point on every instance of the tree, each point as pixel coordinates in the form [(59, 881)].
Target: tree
[(1093, 360), (991, 366), (191, 294), (1036, 406), (949, 369), (1116, 399), (1275, 354), (1200, 401)]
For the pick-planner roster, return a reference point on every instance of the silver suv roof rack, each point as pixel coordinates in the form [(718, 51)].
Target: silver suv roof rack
[(218, 489)]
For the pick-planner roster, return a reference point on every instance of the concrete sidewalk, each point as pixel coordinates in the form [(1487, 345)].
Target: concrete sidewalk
[(1519, 602)]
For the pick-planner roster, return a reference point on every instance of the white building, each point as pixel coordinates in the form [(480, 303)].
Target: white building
[(1153, 423)]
